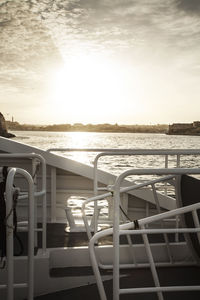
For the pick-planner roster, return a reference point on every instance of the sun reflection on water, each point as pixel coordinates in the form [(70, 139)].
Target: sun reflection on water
[(80, 140)]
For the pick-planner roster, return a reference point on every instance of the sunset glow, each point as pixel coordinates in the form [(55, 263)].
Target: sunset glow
[(88, 88), (125, 62)]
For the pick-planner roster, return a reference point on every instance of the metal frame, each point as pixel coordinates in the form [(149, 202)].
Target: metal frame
[(122, 190), (128, 230), (9, 241), (114, 152), (42, 193)]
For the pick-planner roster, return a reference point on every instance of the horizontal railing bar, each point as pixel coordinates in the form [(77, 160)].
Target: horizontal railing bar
[(160, 289), (174, 171), (130, 225), (3, 286), (22, 155), (131, 151), (146, 265), (156, 231), (36, 194), (128, 188), (15, 285)]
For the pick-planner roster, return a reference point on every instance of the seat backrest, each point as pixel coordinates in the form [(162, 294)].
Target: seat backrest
[(188, 192)]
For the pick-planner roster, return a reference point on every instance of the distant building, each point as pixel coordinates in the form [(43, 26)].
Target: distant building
[(185, 128), (196, 124)]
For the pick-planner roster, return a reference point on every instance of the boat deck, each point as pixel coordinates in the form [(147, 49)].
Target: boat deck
[(138, 278), (58, 237)]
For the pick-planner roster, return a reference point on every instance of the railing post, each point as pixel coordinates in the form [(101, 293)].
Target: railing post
[(30, 265), (166, 161), (42, 193), (34, 175), (95, 187), (53, 194), (152, 264), (196, 222), (178, 163), (9, 234), (116, 241), (30, 238)]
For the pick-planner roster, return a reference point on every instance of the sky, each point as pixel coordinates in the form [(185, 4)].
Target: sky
[(100, 61)]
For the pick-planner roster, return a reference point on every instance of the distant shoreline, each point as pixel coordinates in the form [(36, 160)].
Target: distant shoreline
[(150, 132), (107, 128), (147, 132)]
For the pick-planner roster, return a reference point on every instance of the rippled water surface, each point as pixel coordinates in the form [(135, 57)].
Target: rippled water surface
[(116, 165)]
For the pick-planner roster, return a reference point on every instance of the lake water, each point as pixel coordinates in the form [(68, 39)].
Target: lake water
[(46, 140), (114, 165)]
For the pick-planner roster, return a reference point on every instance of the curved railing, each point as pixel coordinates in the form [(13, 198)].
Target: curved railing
[(166, 153), (36, 159), (122, 190), (131, 228), (10, 190)]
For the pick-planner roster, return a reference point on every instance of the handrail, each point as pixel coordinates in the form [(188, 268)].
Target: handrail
[(42, 192), (117, 185), (129, 152), (126, 230), (10, 263), (133, 151), (110, 193), (117, 152)]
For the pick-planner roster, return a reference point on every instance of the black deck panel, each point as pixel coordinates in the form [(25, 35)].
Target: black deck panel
[(190, 194)]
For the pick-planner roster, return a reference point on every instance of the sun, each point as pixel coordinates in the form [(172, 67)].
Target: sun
[(87, 87)]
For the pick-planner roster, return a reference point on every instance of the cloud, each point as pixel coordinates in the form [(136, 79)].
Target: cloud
[(37, 36), (27, 51), (189, 6), (101, 26)]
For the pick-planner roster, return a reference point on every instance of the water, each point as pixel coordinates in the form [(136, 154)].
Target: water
[(116, 165), (46, 140)]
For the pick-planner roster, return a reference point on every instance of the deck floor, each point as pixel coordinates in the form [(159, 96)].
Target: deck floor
[(57, 237), (138, 278)]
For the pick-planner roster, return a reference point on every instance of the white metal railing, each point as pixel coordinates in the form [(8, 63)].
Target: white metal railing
[(127, 229), (53, 179), (9, 233), (122, 190), (140, 152), (166, 153), (151, 183), (36, 159)]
